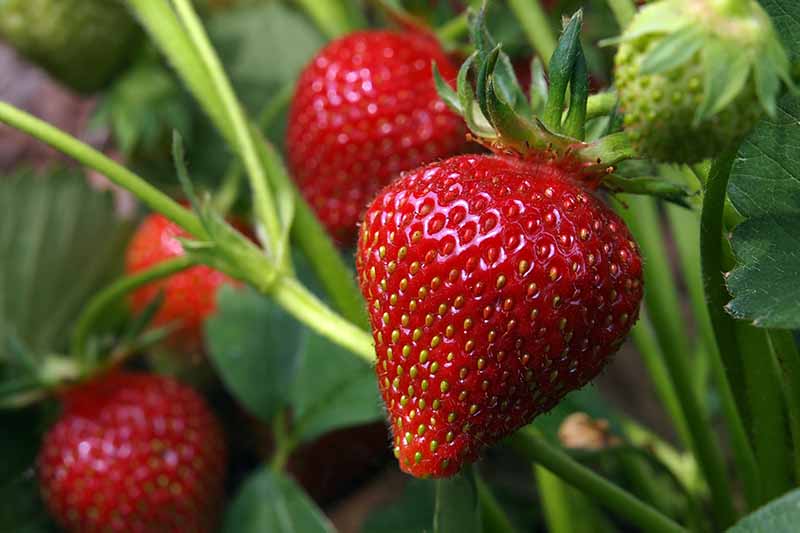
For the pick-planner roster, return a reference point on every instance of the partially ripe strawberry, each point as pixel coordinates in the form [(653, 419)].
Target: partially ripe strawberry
[(693, 79), (134, 453), (364, 110), (495, 286), (189, 295)]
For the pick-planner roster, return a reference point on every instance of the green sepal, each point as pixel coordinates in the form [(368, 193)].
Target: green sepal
[(657, 187), (538, 87), (575, 122), (658, 17), (475, 119), (561, 68), (446, 93), (506, 79), (726, 72), (672, 51)]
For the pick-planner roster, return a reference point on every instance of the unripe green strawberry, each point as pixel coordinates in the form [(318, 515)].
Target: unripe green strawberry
[(694, 76), (82, 43)]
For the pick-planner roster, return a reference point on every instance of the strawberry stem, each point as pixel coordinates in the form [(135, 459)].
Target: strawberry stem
[(332, 17), (300, 302), (685, 229), (100, 302), (263, 201), (229, 190), (493, 516), (623, 10), (536, 25), (664, 310), (116, 173), (785, 349), (533, 446), (452, 30)]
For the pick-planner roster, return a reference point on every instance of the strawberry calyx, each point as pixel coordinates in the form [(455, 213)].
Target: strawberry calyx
[(736, 40), (501, 118)]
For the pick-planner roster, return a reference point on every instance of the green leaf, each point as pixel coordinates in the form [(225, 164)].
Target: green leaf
[(457, 509), (765, 188), (60, 241), (332, 390), (779, 516), (254, 345), (263, 47), (726, 72), (785, 15), (271, 502), (412, 514), (672, 51)]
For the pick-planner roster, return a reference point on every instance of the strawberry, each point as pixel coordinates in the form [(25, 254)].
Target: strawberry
[(83, 43), (189, 296), (687, 90), (495, 286), (133, 452), (364, 110)]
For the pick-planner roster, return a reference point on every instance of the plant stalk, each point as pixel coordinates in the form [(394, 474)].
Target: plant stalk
[(536, 25), (263, 201), (529, 443), (310, 310), (116, 173), (103, 299), (332, 17), (665, 313), (493, 515), (785, 349), (685, 229), (624, 11)]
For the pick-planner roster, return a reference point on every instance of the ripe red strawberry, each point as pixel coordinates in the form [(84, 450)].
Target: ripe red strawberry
[(189, 296), (364, 110), (495, 286), (134, 453)]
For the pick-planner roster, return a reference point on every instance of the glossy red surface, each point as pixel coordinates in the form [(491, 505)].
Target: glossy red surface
[(189, 295), (134, 453), (494, 288), (365, 109)]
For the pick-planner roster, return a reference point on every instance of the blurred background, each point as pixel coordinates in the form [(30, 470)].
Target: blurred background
[(349, 472)]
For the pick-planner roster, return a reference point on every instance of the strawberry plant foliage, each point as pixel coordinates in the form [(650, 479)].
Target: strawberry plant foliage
[(765, 188), (49, 225), (270, 501)]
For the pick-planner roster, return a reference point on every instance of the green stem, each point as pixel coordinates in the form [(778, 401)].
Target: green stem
[(769, 427), (284, 443), (493, 516), (229, 190), (716, 295), (327, 263), (331, 16), (116, 173), (685, 229), (160, 21), (647, 343), (624, 11), (600, 104), (785, 349), (102, 300), (453, 29), (529, 443), (263, 201), (665, 312), (303, 305), (536, 25)]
